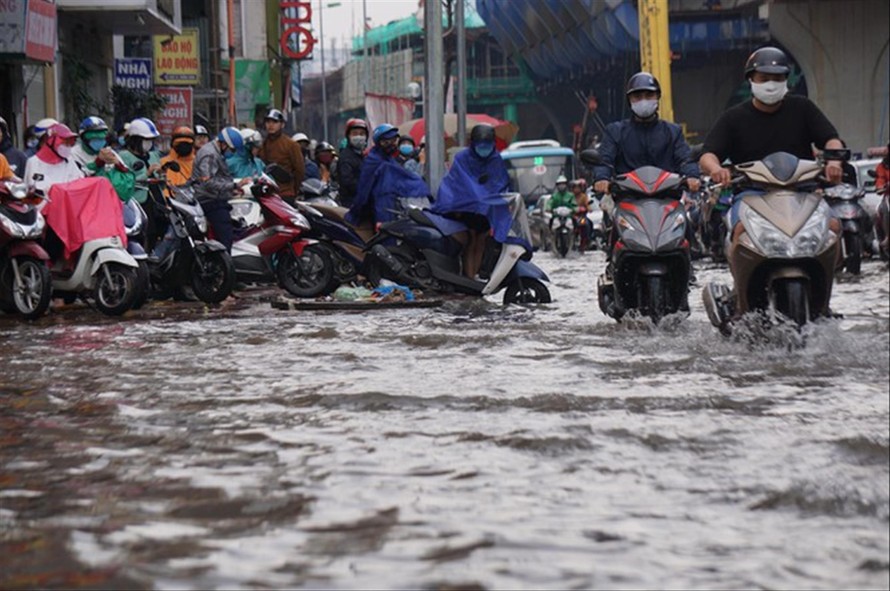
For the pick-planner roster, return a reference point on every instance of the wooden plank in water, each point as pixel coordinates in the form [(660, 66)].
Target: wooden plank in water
[(291, 304)]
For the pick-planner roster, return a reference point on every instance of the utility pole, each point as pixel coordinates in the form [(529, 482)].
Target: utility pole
[(233, 112), (461, 73), (434, 106), (324, 87), (366, 72), (655, 50)]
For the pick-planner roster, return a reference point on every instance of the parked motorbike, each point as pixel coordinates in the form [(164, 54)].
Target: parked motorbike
[(784, 257), (186, 258), (25, 282), (845, 201), (562, 225), (89, 255), (649, 264), (271, 245), (413, 251), (317, 192)]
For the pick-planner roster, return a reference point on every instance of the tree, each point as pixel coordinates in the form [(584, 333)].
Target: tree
[(130, 103)]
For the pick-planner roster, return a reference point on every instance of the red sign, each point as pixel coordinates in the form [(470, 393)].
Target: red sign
[(294, 15), (178, 110), (40, 31)]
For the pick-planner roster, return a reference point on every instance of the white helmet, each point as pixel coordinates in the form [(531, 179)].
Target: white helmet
[(300, 137), (561, 179), (142, 127), (251, 136), (41, 126)]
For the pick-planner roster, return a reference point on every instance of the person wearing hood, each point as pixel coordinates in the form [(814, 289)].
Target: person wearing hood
[(280, 149), (352, 156), (95, 158), (477, 173), (141, 136), (16, 158), (384, 183), (311, 168), (243, 162), (182, 152), (53, 163)]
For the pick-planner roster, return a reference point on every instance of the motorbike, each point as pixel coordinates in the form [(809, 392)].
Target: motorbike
[(562, 225), (784, 255), (25, 281), (318, 192), (186, 257), (649, 264), (882, 221), (413, 251), (845, 202), (89, 253), (271, 244), (714, 209), (135, 223), (594, 221)]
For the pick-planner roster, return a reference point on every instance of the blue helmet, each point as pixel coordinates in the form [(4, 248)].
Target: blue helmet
[(142, 127), (385, 131), (92, 123), (231, 137)]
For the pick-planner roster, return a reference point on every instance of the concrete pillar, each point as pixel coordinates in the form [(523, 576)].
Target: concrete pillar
[(511, 112)]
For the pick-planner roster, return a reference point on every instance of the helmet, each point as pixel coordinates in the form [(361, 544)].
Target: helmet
[(183, 131), (60, 130), (4, 126), (482, 133), (275, 115), (93, 124), (251, 137), (201, 130), (561, 179), (769, 60), (643, 81), (231, 137), (142, 127), (356, 124), (41, 126), (324, 147), (385, 131), (300, 137)]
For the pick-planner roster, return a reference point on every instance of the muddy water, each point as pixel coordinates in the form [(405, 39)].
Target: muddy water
[(469, 445)]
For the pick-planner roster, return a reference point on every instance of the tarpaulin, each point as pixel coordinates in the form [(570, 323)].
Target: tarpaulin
[(83, 210)]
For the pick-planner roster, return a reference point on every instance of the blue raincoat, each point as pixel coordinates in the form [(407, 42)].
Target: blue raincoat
[(474, 185), (242, 164), (382, 183)]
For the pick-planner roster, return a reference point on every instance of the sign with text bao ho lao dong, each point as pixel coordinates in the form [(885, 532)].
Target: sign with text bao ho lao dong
[(133, 72), (296, 35), (178, 110), (176, 59)]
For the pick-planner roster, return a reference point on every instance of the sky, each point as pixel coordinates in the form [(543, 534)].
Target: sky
[(344, 21)]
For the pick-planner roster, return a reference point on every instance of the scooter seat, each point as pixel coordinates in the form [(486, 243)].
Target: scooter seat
[(336, 213)]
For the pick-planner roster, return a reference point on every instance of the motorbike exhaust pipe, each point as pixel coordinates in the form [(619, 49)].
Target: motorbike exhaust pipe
[(391, 263)]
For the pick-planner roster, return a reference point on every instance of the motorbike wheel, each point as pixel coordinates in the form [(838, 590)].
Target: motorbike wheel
[(307, 275), (562, 243), (853, 247), (115, 288), (792, 302), (655, 298), (525, 290), (143, 285), (213, 276), (31, 299)]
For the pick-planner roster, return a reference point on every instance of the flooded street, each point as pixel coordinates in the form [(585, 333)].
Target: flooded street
[(469, 446)]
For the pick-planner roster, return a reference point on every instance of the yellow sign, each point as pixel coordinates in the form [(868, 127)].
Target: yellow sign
[(176, 59), (655, 50)]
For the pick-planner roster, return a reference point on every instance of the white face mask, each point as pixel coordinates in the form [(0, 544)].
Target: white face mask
[(359, 142), (64, 151), (644, 108), (146, 145), (771, 92)]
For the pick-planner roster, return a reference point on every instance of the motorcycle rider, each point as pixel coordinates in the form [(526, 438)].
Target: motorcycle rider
[(476, 173), (327, 162), (5, 170), (561, 197), (773, 121), (53, 162), (182, 152), (383, 181), (243, 162), (351, 158), (214, 184), (31, 140), (311, 167), (280, 149), (408, 155), (882, 171), (16, 159), (94, 156), (140, 146), (202, 136)]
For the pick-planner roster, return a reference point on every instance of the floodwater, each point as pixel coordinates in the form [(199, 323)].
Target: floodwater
[(469, 446)]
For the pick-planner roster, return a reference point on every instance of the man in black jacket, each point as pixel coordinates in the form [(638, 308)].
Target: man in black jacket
[(349, 166)]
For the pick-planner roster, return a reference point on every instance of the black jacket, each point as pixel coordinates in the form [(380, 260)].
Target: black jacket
[(349, 168), (17, 159)]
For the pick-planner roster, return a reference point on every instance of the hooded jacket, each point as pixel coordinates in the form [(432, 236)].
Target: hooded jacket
[(285, 152), (211, 176), (383, 182), (46, 168)]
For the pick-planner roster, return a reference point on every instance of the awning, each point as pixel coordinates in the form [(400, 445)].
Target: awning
[(139, 17)]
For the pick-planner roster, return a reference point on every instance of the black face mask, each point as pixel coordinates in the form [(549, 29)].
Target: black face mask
[(183, 149)]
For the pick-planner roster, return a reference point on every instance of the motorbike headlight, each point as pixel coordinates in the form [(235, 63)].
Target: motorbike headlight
[(201, 222), (300, 221), (12, 228), (37, 229), (626, 224), (811, 238), (774, 243)]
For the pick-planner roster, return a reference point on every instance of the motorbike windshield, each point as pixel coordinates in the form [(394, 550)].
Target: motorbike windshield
[(508, 217), (534, 176)]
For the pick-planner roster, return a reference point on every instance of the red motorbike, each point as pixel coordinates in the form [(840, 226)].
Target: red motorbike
[(270, 244), (25, 281)]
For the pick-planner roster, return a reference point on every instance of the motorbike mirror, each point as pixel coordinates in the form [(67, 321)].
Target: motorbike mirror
[(591, 157), (872, 173), (842, 154), (278, 173), (174, 166), (137, 166)]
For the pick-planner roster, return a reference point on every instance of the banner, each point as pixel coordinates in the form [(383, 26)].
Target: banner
[(176, 60), (251, 87), (178, 110), (28, 28), (388, 109), (133, 72)]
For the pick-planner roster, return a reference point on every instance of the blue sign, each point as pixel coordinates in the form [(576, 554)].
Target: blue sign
[(133, 72)]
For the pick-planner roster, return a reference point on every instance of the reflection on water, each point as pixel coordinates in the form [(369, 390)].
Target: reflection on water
[(469, 446)]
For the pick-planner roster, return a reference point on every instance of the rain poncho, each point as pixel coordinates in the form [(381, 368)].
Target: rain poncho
[(140, 194), (83, 210), (123, 181), (242, 164), (382, 187)]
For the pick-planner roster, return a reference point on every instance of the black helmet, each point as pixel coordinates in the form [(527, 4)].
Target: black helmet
[(324, 147), (643, 81), (482, 133), (769, 60)]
